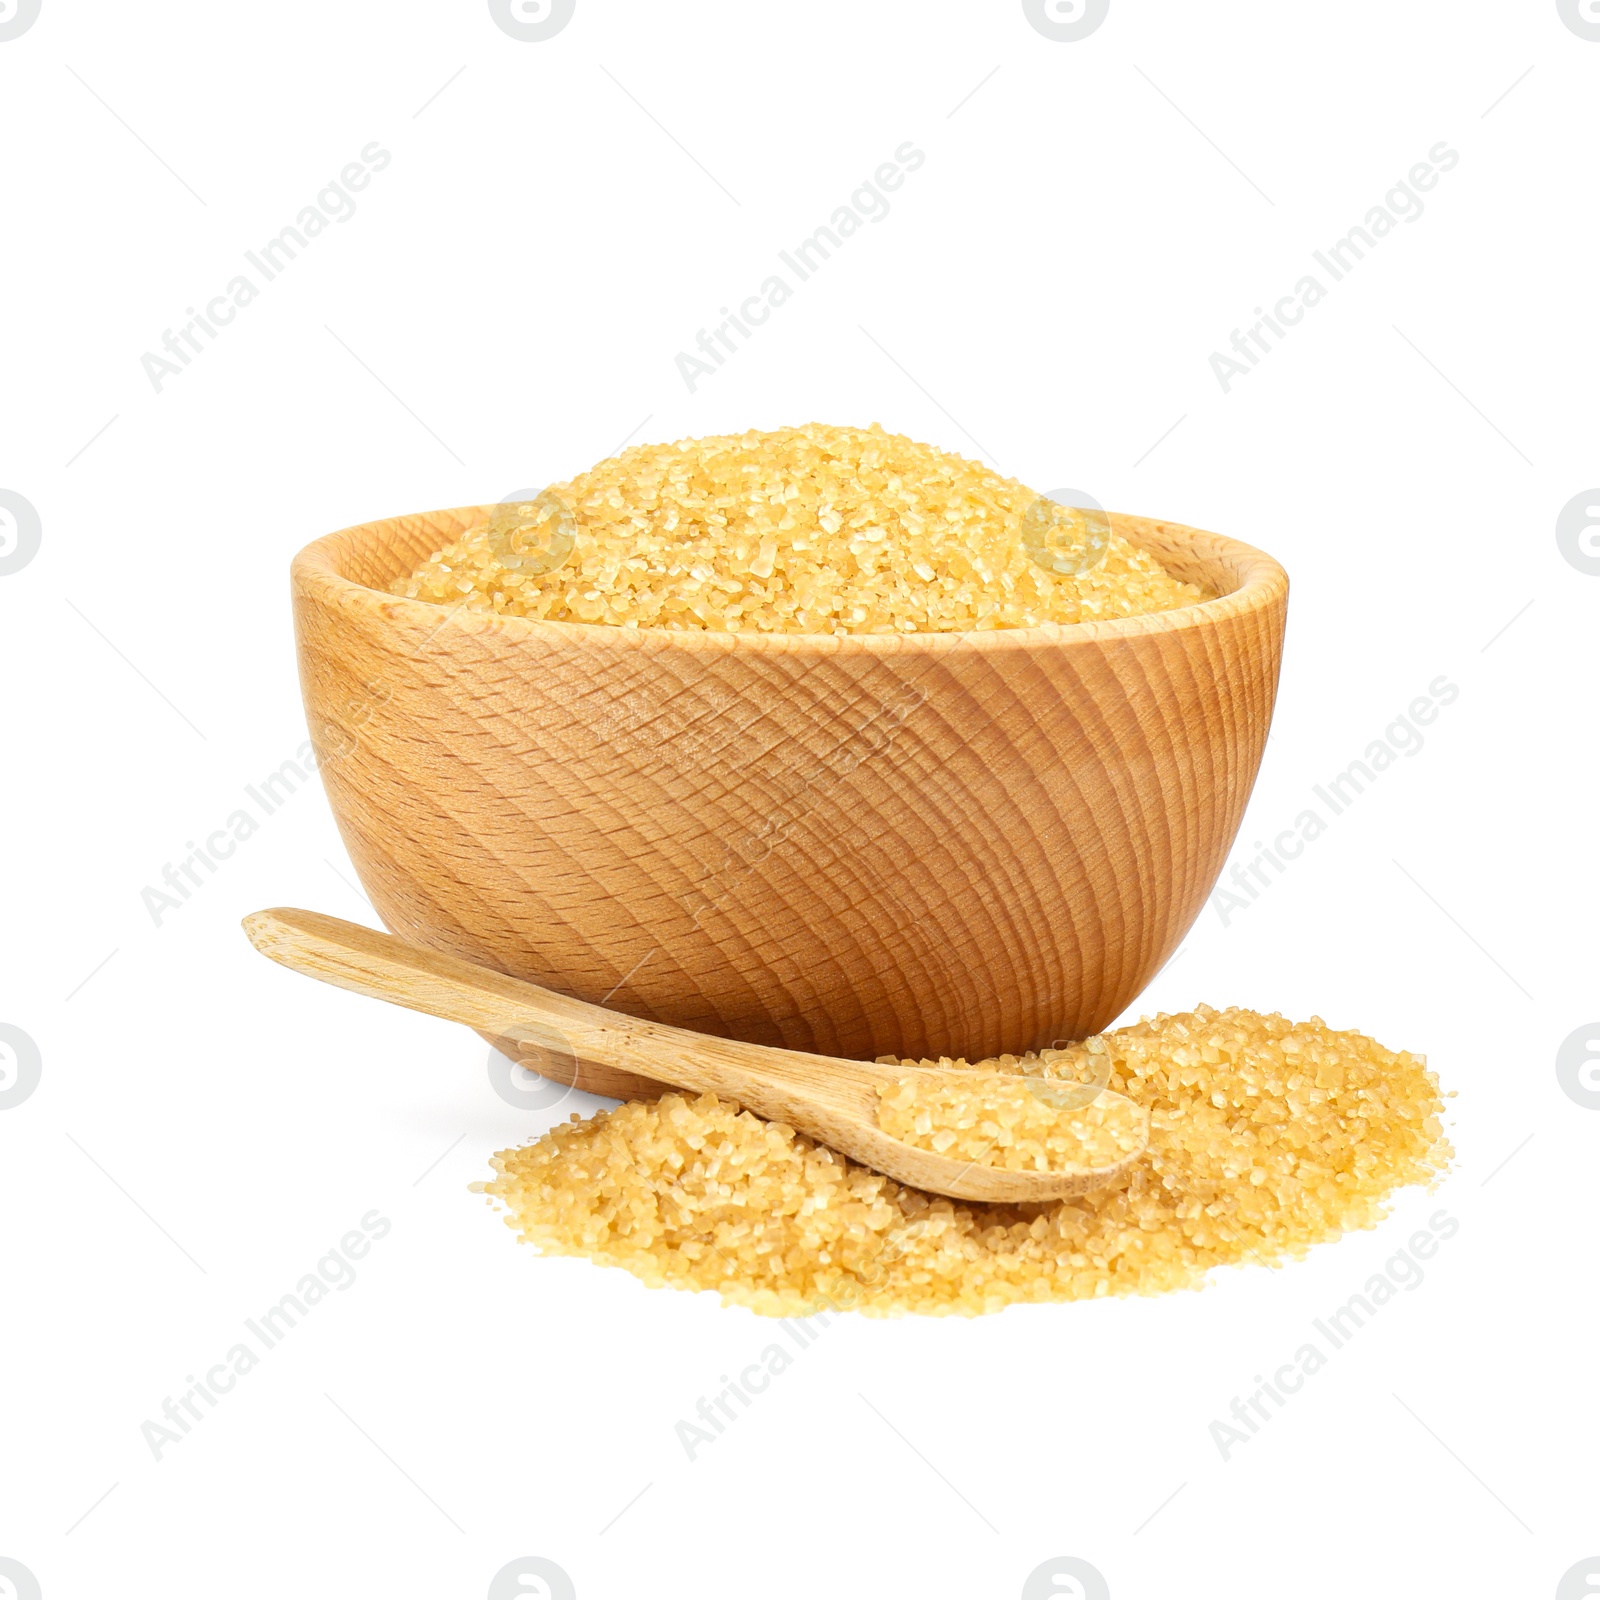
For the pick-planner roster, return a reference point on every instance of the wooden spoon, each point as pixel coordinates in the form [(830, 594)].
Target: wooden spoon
[(832, 1100)]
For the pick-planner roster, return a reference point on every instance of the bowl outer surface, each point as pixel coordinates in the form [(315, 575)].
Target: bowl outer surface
[(956, 844)]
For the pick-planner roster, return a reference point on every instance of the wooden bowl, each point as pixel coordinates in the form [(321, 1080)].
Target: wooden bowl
[(924, 845)]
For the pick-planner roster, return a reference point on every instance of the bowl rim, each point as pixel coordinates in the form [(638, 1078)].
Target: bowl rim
[(1260, 582)]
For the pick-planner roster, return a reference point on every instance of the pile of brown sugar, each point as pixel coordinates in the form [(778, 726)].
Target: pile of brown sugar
[(814, 529), (1266, 1137)]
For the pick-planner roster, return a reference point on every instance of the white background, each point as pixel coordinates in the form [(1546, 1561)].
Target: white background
[(504, 308)]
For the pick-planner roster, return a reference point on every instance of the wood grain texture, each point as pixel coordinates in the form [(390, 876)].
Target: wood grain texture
[(919, 845), (832, 1100)]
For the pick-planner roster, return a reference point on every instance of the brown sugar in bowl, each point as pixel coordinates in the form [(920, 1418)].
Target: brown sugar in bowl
[(919, 845)]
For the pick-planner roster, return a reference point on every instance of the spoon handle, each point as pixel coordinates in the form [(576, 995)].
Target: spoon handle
[(386, 968)]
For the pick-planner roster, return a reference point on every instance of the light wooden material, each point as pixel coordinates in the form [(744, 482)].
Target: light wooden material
[(832, 1100), (919, 845)]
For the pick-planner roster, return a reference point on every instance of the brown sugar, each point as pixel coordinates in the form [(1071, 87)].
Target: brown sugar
[(1266, 1137), (1021, 1124), (814, 529)]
